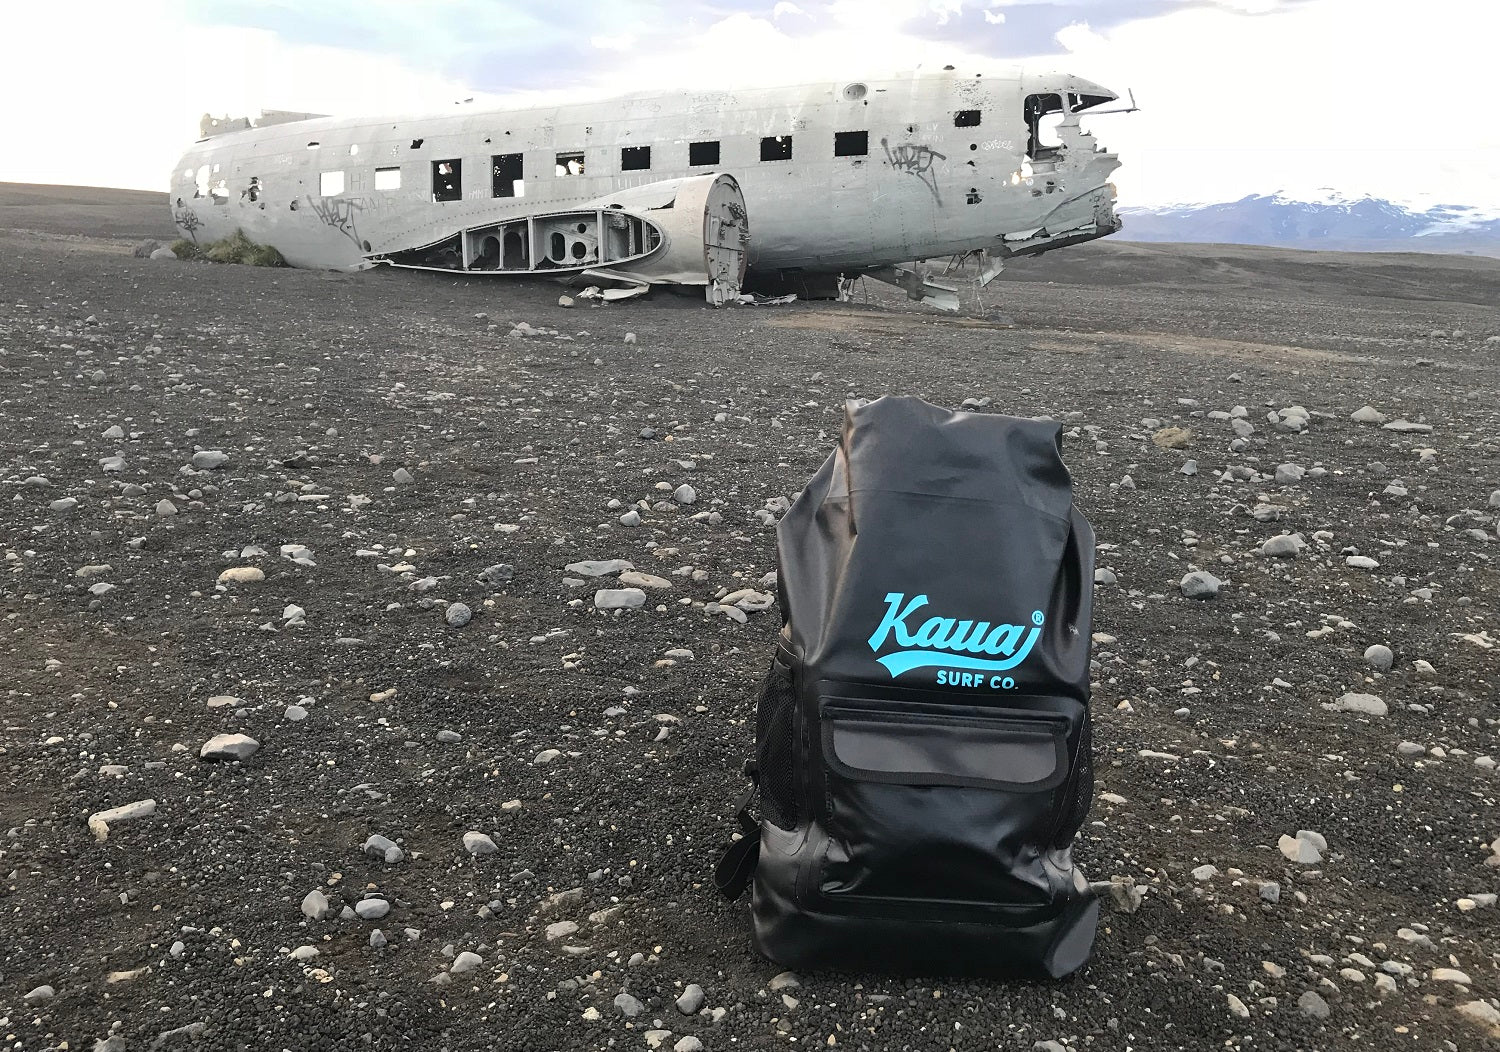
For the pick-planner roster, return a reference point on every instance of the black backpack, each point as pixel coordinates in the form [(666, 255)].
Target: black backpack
[(922, 753)]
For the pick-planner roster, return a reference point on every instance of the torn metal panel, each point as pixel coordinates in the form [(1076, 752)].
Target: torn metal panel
[(920, 286)]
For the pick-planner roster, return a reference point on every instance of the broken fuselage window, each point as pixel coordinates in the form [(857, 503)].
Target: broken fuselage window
[(331, 184), (569, 164), (966, 119), (1044, 113), (635, 159), (507, 173), (703, 153), (851, 144), (388, 178), (776, 148), (447, 180)]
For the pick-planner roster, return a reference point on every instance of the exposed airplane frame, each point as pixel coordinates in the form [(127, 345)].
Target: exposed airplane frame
[(840, 179)]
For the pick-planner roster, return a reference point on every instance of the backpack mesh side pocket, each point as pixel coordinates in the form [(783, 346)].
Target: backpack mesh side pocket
[(775, 723), (1082, 796)]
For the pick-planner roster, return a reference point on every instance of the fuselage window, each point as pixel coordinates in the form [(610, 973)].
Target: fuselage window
[(776, 148), (331, 184), (447, 180), (569, 164), (851, 144), (701, 153), (388, 178), (507, 173), (966, 119), (635, 159)]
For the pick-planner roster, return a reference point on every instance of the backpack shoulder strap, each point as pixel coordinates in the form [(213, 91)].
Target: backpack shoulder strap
[(737, 864)]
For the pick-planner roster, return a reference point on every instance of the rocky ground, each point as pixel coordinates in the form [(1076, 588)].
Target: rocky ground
[(288, 576)]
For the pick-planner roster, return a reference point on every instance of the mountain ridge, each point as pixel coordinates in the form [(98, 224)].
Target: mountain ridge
[(1325, 219)]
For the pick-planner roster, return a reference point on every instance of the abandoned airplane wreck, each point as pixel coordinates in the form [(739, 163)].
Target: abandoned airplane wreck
[(841, 179)]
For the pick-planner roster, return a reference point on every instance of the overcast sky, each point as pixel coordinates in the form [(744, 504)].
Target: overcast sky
[(1387, 97)]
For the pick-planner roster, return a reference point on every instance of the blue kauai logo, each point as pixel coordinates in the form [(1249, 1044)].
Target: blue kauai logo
[(977, 647)]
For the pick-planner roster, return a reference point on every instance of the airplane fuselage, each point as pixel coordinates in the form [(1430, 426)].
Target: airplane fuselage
[(837, 177)]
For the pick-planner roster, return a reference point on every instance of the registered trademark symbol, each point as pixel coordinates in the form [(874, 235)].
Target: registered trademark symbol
[(1037, 617)]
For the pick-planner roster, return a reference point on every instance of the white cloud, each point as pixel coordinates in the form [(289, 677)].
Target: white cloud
[(1078, 38), (1325, 93), (785, 8), (61, 127), (617, 42), (994, 18)]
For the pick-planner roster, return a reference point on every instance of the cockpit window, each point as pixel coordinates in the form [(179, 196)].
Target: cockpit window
[(1043, 115), (1077, 103)]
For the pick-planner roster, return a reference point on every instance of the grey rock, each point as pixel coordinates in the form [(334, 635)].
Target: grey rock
[(685, 494), (1270, 892), (64, 504), (1379, 656), (1301, 849), (1368, 415), (1207, 872), (1407, 427), (619, 598), (1200, 584), (165, 507), (381, 847), (1283, 547), (110, 1044), (691, 1000), (295, 713), (164, 253), (402, 476), (377, 940), (448, 737), (210, 459), (315, 905), (600, 568), (1368, 704), (496, 575), (784, 981), (40, 993), (1361, 562), (688, 1044), (631, 518), (1103, 576), (546, 756), (465, 962), (229, 747), (372, 909), (1313, 1005), (629, 1006), (457, 615), (636, 579), (560, 930), (478, 844), (1289, 474)]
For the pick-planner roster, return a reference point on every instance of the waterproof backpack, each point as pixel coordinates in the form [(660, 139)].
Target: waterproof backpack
[(922, 753)]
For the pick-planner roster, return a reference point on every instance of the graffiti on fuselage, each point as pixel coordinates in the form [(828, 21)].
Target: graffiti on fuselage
[(915, 160), (338, 213), (187, 220)]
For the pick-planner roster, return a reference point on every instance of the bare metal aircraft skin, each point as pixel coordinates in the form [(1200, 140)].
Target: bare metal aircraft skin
[(841, 179)]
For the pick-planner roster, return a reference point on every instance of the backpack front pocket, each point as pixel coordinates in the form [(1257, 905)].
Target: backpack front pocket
[(941, 806)]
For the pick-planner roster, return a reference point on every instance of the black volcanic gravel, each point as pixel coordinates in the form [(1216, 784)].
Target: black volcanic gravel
[(320, 387)]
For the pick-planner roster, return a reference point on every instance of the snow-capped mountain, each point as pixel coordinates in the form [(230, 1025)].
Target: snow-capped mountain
[(1324, 219)]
